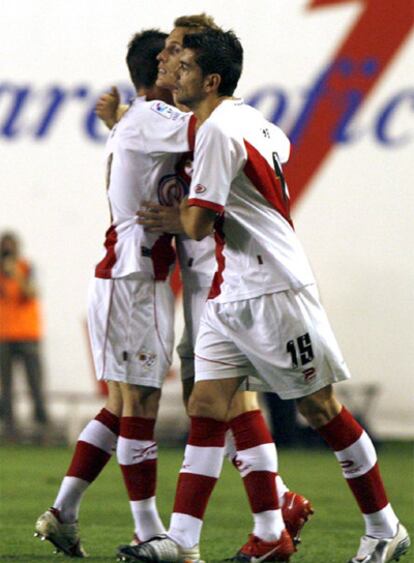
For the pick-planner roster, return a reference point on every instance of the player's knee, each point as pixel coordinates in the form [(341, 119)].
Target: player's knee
[(320, 407), (140, 401), (207, 406)]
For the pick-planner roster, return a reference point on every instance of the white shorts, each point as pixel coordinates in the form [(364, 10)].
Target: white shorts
[(194, 301), (131, 328), (284, 338)]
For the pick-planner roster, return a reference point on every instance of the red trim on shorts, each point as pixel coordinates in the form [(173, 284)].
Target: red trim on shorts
[(137, 428), (264, 179), (207, 204), (104, 268), (342, 431), (216, 361)]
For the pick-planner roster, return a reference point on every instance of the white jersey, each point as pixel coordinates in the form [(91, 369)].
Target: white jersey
[(141, 154), (196, 258), (237, 173)]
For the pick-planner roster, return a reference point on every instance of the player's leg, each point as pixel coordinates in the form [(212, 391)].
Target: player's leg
[(147, 358), (384, 535), (203, 460), (93, 450), (220, 369), (309, 361), (296, 509), (137, 457)]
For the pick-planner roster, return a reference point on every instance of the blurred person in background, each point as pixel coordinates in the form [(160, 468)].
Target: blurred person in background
[(20, 333)]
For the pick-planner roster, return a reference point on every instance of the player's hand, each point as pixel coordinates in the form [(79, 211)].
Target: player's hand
[(107, 107), (157, 218)]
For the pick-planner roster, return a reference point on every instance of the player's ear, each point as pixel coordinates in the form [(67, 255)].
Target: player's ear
[(212, 82)]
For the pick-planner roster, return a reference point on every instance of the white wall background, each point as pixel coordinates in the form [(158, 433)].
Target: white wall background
[(355, 220)]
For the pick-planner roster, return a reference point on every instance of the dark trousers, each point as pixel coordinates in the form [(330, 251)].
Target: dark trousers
[(28, 353)]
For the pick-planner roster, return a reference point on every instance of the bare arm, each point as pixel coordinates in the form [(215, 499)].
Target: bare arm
[(198, 222), (109, 108)]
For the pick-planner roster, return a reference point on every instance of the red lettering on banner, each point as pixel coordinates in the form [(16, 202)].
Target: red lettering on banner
[(377, 35)]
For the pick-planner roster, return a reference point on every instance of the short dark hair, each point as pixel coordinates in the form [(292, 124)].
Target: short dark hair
[(142, 57), (218, 52)]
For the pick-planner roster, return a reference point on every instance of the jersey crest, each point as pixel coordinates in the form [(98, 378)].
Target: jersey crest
[(171, 189)]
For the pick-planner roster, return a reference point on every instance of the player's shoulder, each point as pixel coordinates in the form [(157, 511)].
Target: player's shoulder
[(224, 120), (161, 111)]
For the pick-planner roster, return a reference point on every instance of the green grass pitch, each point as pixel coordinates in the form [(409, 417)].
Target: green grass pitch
[(30, 478)]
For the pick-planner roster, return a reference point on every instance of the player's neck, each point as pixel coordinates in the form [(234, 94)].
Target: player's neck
[(206, 107), (156, 93)]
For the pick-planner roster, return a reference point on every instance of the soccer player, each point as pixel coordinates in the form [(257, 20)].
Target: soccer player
[(130, 311), (263, 315), (197, 265)]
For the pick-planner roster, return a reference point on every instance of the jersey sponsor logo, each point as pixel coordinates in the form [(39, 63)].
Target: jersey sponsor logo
[(200, 189), (165, 110), (171, 189)]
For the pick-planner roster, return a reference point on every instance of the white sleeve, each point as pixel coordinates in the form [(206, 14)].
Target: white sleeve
[(282, 143), (218, 159)]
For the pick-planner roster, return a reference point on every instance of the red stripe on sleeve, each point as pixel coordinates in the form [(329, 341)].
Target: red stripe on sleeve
[(208, 204)]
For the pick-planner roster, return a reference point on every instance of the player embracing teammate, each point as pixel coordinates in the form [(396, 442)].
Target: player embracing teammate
[(131, 318), (263, 316)]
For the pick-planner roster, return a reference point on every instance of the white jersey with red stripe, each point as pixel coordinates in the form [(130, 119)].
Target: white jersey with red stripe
[(237, 173), (142, 151)]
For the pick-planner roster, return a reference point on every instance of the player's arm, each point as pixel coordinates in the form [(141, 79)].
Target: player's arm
[(109, 108), (198, 222)]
